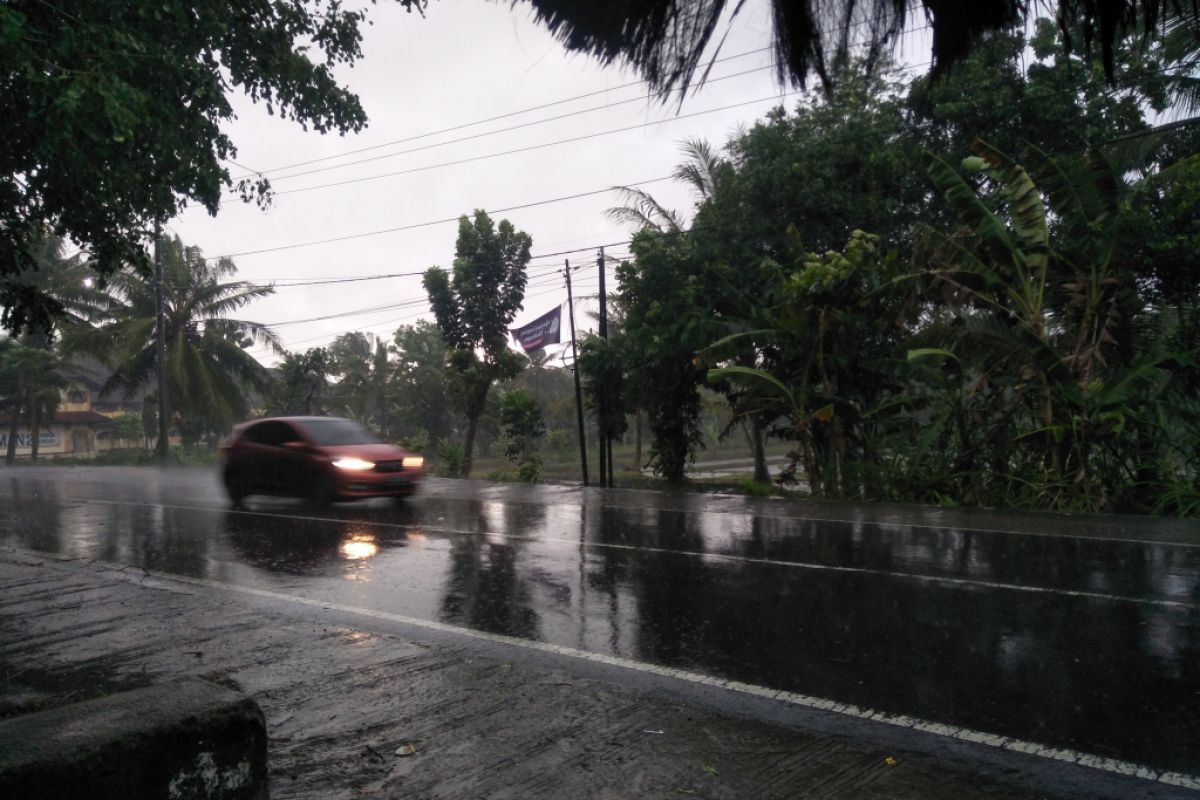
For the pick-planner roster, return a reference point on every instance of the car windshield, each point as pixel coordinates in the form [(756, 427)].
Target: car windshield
[(338, 431)]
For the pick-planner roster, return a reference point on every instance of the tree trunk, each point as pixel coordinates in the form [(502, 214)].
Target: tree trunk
[(11, 455), (810, 465), (475, 409), (36, 433), (381, 399), (844, 485), (759, 451), (469, 443), (637, 444)]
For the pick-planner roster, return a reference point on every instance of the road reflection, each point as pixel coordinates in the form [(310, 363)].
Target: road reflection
[(1083, 643)]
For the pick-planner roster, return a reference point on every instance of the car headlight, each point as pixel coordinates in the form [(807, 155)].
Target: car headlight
[(413, 461), (349, 462)]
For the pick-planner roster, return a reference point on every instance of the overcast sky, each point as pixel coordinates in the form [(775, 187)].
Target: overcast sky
[(465, 61)]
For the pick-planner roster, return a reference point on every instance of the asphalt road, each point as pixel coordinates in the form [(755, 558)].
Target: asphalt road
[(1076, 638)]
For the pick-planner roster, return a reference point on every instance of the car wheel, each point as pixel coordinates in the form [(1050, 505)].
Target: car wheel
[(235, 487)]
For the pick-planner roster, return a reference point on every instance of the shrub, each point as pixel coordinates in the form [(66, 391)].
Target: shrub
[(452, 460)]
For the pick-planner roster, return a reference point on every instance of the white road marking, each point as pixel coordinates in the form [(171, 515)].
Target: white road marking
[(1090, 760), (803, 565)]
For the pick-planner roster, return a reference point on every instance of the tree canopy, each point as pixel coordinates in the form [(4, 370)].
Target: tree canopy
[(475, 303), (113, 113)]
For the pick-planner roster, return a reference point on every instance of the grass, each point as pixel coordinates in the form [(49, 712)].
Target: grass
[(178, 456)]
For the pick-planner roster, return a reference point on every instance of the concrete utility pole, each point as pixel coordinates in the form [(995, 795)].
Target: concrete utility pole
[(606, 457), (163, 447), (602, 406), (575, 369)]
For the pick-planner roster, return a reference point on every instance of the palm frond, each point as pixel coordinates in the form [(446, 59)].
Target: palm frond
[(640, 210)]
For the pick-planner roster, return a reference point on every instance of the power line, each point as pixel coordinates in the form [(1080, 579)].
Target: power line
[(533, 280), (528, 148), (427, 224), (412, 302), (465, 125), (485, 134), (543, 106)]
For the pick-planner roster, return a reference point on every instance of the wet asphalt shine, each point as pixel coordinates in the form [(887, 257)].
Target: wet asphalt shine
[(1071, 632)]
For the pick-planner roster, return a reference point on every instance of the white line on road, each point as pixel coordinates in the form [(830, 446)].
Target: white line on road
[(803, 565), (1102, 763)]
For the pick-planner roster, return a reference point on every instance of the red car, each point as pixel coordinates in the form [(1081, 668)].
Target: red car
[(320, 458)]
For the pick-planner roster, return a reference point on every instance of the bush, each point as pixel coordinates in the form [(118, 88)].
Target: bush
[(530, 469), (417, 441), (557, 441), (452, 460)]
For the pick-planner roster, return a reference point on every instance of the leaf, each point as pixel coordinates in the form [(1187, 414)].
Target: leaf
[(1059, 432), (931, 352), (751, 376)]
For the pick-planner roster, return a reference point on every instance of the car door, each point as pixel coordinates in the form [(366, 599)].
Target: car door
[(250, 454), (294, 461), (275, 465)]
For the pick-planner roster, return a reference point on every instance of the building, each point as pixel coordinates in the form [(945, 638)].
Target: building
[(84, 423)]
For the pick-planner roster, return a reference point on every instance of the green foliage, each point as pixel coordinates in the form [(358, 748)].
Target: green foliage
[(451, 460), (301, 384), (209, 371), (522, 425), (557, 442), (127, 429), (474, 304), (365, 379), (603, 371), (423, 395), (30, 387), (1022, 336), (753, 488), (113, 115), (667, 319), (418, 441), (530, 470)]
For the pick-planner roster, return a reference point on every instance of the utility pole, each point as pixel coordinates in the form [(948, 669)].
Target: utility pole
[(160, 337), (575, 369), (606, 457), (602, 410)]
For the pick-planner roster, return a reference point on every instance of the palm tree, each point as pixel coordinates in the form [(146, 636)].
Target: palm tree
[(640, 210), (208, 369), (666, 40), (700, 171), (366, 377), (31, 385)]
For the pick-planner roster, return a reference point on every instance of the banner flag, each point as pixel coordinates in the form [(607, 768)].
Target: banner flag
[(542, 331)]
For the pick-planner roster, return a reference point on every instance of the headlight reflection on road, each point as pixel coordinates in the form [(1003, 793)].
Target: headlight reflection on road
[(359, 546)]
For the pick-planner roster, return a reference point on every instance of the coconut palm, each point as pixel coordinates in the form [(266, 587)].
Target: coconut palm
[(31, 385), (366, 377), (208, 369), (639, 209)]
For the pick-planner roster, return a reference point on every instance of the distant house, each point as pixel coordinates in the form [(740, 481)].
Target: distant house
[(71, 432), (83, 424)]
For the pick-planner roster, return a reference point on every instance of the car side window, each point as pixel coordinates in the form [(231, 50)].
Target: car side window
[(273, 434), (287, 434), (254, 434)]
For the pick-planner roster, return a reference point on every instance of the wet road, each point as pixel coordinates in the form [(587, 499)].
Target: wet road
[(1081, 633)]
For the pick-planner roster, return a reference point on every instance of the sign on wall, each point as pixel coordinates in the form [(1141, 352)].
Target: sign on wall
[(46, 438)]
